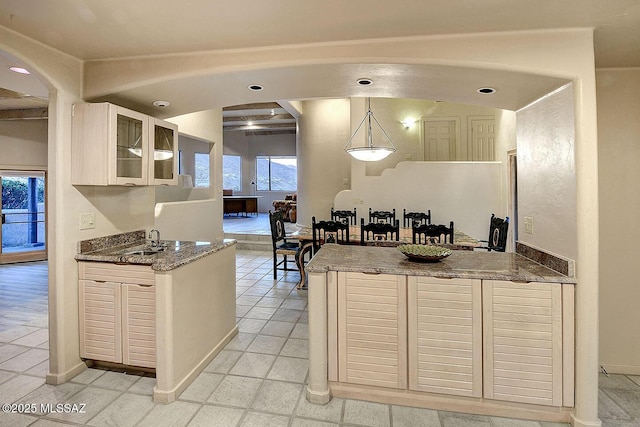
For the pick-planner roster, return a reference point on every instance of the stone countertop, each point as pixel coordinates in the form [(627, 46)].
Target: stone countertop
[(460, 264), (113, 249)]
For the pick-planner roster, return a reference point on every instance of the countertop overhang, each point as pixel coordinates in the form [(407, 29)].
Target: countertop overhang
[(114, 249), (460, 264)]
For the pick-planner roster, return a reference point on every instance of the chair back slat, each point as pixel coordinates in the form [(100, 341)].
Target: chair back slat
[(343, 215), (427, 234), (410, 218), (382, 216), (375, 231), (498, 230), (329, 232)]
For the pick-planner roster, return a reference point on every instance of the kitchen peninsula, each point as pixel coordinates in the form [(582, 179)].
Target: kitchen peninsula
[(164, 305), (487, 333)]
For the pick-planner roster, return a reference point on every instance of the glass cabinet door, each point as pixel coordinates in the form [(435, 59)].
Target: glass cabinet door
[(164, 146), (131, 149)]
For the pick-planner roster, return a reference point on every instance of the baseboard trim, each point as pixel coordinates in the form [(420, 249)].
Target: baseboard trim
[(57, 379), (441, 402), (168, 396), (621, 369)]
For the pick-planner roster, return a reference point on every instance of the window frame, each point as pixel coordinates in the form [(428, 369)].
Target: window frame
[(269, 158)]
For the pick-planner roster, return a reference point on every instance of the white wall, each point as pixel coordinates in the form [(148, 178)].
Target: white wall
[(466, 193), (547, 174), (24, 144), (619, 156)]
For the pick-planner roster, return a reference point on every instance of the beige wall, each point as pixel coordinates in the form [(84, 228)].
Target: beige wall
[(24, 144), (546, 173), (619, 154)]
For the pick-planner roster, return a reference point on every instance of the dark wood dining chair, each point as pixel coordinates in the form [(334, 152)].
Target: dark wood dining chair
[(281, 246), (410, 218), (427, 234), (329, 232), (376, 231), (343, 215), (382, 216), (498, 229)]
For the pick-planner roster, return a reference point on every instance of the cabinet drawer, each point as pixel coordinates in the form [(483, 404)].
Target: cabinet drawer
[(107, 272)]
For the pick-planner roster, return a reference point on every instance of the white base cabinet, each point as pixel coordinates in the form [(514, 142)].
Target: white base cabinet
[(117, 313), (445, 335)]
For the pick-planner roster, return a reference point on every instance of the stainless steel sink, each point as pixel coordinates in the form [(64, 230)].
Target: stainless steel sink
[(146, 250)]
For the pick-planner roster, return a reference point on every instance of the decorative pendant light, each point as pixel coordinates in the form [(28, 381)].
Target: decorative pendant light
[(369, 152)]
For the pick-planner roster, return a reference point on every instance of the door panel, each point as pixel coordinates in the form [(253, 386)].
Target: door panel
[(440, 140), (482, 140), (23, 231)]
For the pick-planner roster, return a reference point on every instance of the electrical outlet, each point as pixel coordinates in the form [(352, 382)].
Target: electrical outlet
[(528, 225), (87, 220)]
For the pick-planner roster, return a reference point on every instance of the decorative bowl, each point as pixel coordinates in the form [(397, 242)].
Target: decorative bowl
[(424, 253)]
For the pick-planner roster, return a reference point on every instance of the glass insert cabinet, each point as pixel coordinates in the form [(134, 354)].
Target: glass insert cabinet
[(112, 145)]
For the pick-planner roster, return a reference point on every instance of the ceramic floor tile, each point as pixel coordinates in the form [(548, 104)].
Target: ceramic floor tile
[(253, 365), (286, 315), (270, 302), (627, 400), (144, 386), (223, 361), (216, 416), (95, 400), (278, 293), (301, 330), (617, 381), (617, 423), (240, 342), (173, 415), (455, 419), (40, 370), (16, 420), (26, 360), (278, 397), (126, 411), (289, 369), (49, 394), (264, 313), (115, 380), (202, 387), (34, 339), (358, 412), (404, 416), (241, 310), (266, 344), (88, 376), (551, 424), (295, 347), (608, 409), (277, 328), (251, 326), (260, 292), (19, 386), (8, 351), (235, 391), (635, 379), (50, 423), (331, 412), (259, 419), (302, 422), (294, 304), (6, 376), (510, 422), (248, 300), (16, 333)]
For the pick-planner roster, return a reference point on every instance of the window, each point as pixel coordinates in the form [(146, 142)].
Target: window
[(277, 173), (232, 172), (202, 170)]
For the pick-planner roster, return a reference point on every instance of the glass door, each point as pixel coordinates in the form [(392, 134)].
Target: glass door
[(23, 232)]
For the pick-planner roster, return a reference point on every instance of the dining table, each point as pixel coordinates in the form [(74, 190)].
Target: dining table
[(304, 235)]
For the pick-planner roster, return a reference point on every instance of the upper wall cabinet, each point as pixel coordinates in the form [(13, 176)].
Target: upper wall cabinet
[(112, 145)]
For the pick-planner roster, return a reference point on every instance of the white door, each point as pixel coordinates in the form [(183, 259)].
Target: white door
[(482, 140), (440, 140)]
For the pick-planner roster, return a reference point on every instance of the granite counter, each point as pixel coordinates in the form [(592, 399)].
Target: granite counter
[(460, 264)]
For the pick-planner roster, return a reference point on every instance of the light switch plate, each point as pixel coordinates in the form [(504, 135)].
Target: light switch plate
[(87, 220), (528, 225)]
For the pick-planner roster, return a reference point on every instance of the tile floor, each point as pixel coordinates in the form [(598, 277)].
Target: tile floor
[(257, 380)]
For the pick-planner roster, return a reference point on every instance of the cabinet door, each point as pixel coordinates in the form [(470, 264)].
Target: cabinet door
[(372, 341), (523, 342), (163, 153), (139, 326), (129, 139), (445, 335), (100, 320)]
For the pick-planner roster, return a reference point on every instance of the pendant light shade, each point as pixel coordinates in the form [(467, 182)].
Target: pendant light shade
[(370, 152)]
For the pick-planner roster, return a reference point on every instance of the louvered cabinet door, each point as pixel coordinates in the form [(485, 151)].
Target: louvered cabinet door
[(523, 342), (139, 326), (100, 320), (445, 335), (372, 341)]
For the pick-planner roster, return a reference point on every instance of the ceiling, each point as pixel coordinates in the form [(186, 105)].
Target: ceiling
[(122, 28)]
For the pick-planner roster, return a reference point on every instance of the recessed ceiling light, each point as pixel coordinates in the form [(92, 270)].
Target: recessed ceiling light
[(161, 104), (486, 90), (19, 70), (364, 82), (255, 88)]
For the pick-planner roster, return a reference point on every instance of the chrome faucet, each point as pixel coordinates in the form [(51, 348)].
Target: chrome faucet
[(155, 243)]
